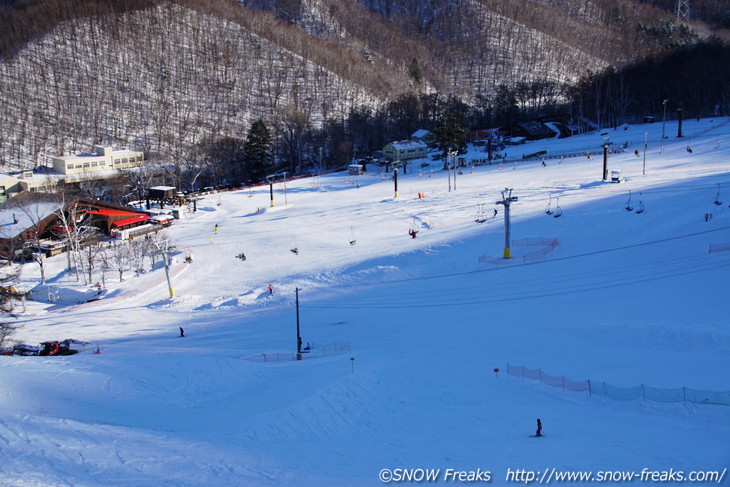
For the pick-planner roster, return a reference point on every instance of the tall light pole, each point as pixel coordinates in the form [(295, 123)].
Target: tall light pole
[(507, 199), (643, 170), (664, 118), (299, 337), (395, 179), (606, 145), (455, 154), (448, 169)]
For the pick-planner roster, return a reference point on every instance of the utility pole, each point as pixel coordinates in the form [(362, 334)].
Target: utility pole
[(271, 191), (395, 179), (455, 154), (664, 118), (606, 145), (448, 170), (299, 337), (507, 199)]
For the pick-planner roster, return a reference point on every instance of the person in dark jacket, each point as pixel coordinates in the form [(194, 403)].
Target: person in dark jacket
[(539, 428)]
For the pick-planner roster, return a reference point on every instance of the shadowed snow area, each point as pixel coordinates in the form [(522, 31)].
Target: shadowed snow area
[(406, 331)]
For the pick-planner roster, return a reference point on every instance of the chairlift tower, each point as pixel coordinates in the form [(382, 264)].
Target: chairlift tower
[(507, 199), (163, 250), (683, 10)]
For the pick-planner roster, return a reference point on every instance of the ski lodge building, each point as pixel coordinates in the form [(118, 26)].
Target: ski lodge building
[(104, 159), (405, 150)]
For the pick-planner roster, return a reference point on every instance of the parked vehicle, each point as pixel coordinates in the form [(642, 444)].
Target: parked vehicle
[(50, 348)]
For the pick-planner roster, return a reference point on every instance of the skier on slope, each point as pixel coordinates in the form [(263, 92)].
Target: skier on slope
[(539, 428)]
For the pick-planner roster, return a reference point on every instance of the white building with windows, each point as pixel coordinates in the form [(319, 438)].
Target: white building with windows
[(405, 150), (104, 159)]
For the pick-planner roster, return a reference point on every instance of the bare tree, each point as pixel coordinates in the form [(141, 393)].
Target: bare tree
[(36, 208), (119, 257), (7, 330)]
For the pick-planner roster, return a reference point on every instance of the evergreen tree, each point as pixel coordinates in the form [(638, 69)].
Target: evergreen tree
[(451, 134), (415, 71), (257, 151)]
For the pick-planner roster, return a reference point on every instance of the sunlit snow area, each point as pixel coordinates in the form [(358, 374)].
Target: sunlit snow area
[(406, 332)]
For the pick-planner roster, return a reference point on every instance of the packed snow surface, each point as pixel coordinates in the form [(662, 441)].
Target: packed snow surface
[(407, 332)]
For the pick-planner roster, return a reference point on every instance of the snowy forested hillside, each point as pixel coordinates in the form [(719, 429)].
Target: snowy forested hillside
[(170, 77)]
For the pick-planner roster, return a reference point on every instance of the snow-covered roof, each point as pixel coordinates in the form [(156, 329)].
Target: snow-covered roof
[(419, 134), (115, 153), (408, 144), (36, 211)]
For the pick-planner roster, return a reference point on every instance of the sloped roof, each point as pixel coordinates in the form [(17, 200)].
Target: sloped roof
[(408, 144), (112, 212), (536, 128), (14, 221), (132, 219)]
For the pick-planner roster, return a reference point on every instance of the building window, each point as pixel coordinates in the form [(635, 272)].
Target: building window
[(86, 164), (94, 164)]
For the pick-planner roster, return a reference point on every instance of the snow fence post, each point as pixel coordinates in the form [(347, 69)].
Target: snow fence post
[(590, 393)]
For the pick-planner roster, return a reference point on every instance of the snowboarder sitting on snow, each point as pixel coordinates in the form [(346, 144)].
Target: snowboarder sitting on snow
[(636, 152), (539, 428)]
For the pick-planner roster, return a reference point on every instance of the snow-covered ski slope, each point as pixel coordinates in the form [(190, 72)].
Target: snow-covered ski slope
[(624, 298)]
